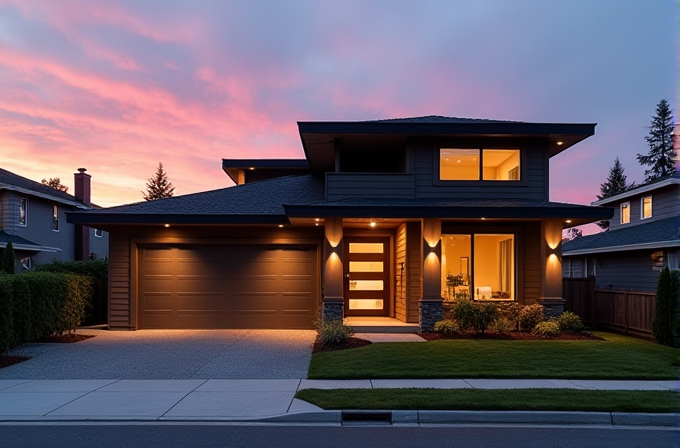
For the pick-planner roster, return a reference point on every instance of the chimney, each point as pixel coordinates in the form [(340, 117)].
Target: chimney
[(82, 186), (82, 194)]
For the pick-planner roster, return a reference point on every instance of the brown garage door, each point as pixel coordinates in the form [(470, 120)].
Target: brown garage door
[(235, 286)]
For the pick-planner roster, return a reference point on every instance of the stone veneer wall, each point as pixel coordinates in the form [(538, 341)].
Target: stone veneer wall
[(332, 311), (430, 313)]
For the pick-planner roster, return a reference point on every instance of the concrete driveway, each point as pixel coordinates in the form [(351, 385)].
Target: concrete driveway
[(169, 354)]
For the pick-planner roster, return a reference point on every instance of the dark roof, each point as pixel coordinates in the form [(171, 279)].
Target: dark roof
[(655, 232), (258, 202), (263, 169), (15, 180), (15, 239), (641, 189), (448, 208), (319, 137)]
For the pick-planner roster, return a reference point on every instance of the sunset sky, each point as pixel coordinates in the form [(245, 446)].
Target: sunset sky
[(118, 86)]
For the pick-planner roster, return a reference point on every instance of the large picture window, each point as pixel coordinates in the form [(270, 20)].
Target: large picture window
[(478, 266), (476, 164)]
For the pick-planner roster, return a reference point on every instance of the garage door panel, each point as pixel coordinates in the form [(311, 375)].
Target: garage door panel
[(227, 287)]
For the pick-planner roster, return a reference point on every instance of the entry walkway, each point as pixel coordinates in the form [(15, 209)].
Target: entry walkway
[(240, 400)]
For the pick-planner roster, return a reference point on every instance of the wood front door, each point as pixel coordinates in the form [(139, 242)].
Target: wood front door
[(367, 276)]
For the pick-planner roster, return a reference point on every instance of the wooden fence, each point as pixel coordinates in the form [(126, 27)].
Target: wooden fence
[(626, 311)]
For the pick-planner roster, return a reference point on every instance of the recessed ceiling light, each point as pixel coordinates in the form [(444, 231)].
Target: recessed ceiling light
[(280, 225), (372, 224), (317, 220), (560, 143), (458, 160), (167, 225), (568, 221), (483, 219), (251, 168)]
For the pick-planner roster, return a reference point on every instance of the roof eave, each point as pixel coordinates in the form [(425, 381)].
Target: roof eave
[(639, 190), (172, 219), (623, 248)]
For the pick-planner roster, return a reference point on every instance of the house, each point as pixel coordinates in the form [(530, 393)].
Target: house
[(643, 238), (384, 219), (33, 218)]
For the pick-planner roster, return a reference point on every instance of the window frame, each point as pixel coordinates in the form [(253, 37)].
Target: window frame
[(642, 207), (101, 233), (23, 204), (621, 208), (522, 181), (55, 218)]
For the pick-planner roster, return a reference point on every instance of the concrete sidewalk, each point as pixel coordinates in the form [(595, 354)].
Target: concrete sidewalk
[(272, 400)]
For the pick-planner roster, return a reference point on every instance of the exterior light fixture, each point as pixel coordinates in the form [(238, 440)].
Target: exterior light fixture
[(317, 220), (560, 143), (251, 168), (166, 225), (568, 221), (280, 225), (372, 223), (483, 218)]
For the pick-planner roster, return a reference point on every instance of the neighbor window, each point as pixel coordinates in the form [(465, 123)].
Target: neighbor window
[(476, 164), (55, 218), (646, 207), (23, 212), (98, 233), (478, 266), (625, 213)]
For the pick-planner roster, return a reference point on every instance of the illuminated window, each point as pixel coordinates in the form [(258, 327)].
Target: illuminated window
[(625, 213), (646, 207), (23, 212), (476, 164), (479, 267), (98, 233), (55, 218)]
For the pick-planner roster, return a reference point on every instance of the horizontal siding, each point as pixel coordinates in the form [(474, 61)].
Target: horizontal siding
[(626, 270), (413, 271), (400, 304), (348, 185), (665, 204), (119, 280), (532, 264), (533, 187)]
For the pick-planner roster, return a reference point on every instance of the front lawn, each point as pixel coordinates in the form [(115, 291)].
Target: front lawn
[(498, 400), (617, 357)]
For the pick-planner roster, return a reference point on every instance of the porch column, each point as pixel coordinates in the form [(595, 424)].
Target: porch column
[(431, 309), (333, 303), (551, 268)]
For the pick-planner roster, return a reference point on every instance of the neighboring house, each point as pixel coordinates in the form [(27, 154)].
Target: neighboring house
[(382, 218), (643, 238), (33, 218)]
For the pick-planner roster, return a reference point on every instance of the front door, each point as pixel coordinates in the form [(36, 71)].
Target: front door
[(367, 276)]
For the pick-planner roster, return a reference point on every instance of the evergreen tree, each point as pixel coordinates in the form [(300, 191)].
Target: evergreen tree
[(616, 183), (55, 182), (661, 156), (571, 234), (158, 186), (8, 264)]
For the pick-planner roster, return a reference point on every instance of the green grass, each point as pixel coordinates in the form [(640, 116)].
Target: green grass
[(618, 357), (499, 400)]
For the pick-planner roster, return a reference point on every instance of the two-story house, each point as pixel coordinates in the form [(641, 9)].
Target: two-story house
[(383, 219), (33, 218), (643, 238)]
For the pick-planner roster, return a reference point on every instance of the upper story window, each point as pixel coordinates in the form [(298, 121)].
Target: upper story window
[(646, 207), (98, 233), (23, 212), (625, 213), (55, 218), (476, 164)]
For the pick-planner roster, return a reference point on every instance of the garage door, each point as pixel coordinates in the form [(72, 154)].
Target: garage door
[(235, 286)]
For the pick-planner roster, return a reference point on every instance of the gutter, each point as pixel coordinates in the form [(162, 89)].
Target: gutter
[(627, 247)]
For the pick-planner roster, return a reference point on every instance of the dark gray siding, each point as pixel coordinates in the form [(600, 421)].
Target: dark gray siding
[(665, 204), (99, 245), (626, 270), (534, 174), (372, 185)]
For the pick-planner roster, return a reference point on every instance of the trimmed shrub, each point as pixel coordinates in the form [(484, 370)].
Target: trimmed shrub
[(484, 315), (463, 312), (6, 312), (530, 316), (22, 320), (569, 321), (93, 268), (447, 327), (664, 310), (547, 328), (333, 332), (75, 294), (502, 324), (512, 312)]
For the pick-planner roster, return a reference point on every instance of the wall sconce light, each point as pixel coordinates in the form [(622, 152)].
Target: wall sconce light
[(372, 223), (280, 225), (166, 225)]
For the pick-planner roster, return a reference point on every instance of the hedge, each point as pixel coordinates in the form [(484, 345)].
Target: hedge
[(38, 304), (92, 268)]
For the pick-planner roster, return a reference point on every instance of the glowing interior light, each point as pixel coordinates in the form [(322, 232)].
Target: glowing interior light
[(167, 225), (372, 224)]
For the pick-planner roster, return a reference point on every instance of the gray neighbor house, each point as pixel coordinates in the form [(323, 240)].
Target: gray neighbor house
[(33, 218), (382, 220), (643, 238)]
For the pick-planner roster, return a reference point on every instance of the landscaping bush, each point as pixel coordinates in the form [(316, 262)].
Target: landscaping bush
[(463, 312), (502, 324), (75, 299), (665, 308), (547, 328), (569, 321), (22, 321), (511, 312), (93, 268), (6, 312), (333, 332), (530, 316), (447, 327), (483, 316)]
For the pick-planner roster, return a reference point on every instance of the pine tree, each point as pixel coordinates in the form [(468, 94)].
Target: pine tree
[(661, 156), (55, 182), (158, 186), (616, 183)]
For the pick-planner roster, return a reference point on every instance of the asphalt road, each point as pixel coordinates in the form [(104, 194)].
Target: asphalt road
[(220, 435)]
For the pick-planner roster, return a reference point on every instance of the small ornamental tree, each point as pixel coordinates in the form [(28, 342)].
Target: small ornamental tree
[(665, 308), (661, 156), (158, 186), (55, 182), (8, 265)]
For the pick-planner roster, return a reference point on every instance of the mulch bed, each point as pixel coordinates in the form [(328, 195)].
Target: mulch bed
[(514, 335), (68, 338), (349, 343), (6, 360)]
